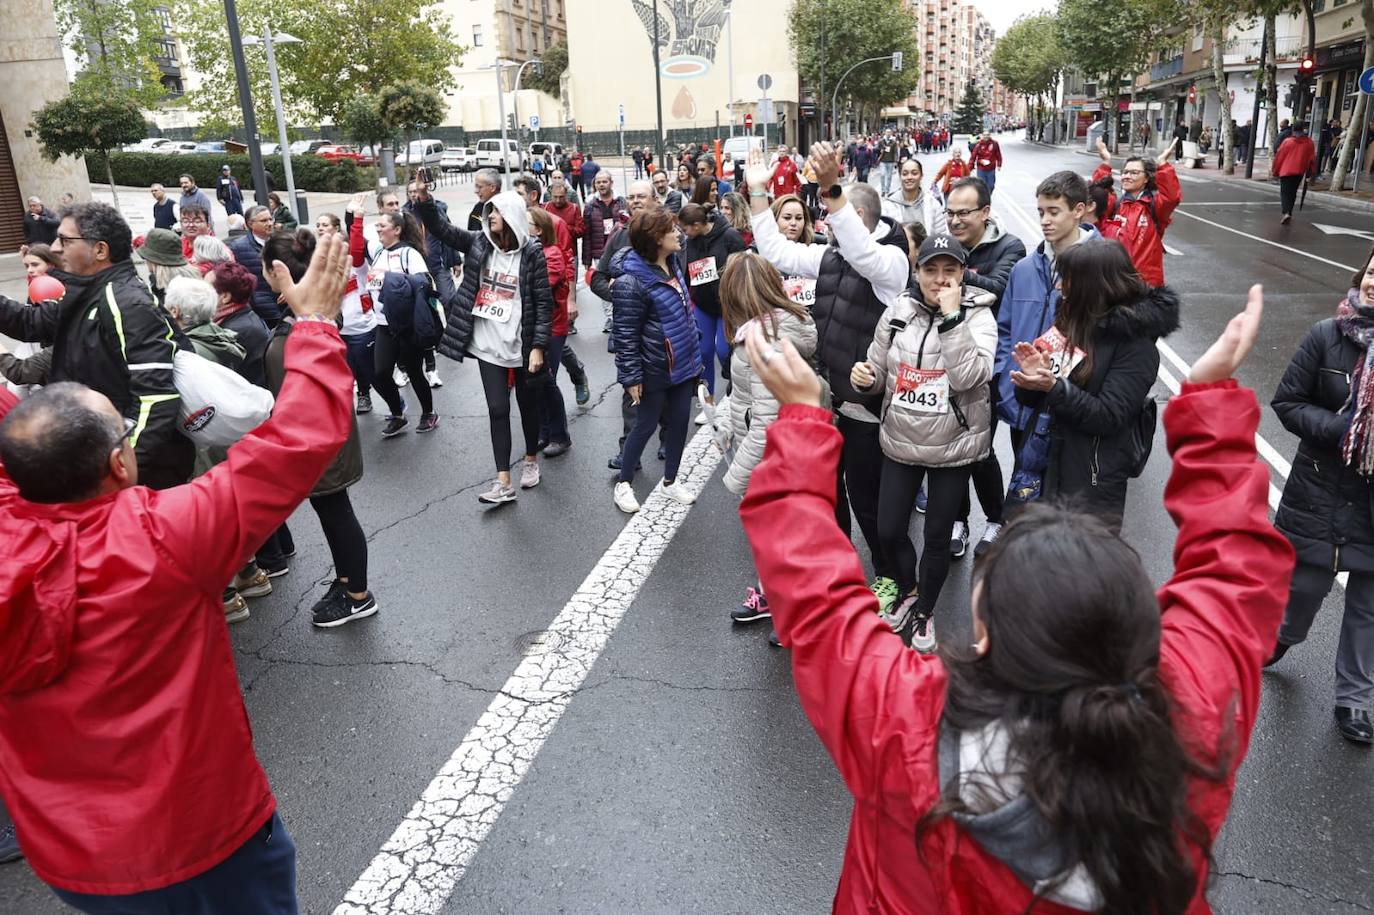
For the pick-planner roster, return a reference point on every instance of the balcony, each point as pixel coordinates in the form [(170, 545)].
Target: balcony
[(1167, 69), (1247, 50)]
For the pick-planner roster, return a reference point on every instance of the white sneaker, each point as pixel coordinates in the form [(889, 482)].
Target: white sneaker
[(625, 498), (701, 419), (923, 634), (958, 540), (432, 376), (990, 535), (677, 492), (529, 474), (399, 377)]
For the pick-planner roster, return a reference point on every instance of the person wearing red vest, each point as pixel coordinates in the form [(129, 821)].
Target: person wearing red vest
[(1140, 216), (1081, 754), (1295, 160), (785, 179)]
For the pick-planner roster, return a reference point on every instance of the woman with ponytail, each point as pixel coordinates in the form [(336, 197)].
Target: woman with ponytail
[(1081, 754), (1326, 398)]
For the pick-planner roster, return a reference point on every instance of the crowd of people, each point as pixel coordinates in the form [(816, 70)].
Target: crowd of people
[(850, 349)]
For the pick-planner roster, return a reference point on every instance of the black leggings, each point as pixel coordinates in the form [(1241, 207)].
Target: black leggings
[(987, 477), (391, 351), (900, 483), (496, 384), (343, 533), (861, 465)]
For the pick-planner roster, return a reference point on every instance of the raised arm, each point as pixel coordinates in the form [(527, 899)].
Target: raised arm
[(456, 238), (1168, 193), (30, 323)]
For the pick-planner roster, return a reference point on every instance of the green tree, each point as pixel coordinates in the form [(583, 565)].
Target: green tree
[(554, 61), (87, 122), (1028, 59), (968, 117), (1118, 43), (1350, 137), (361, 122), (116, 43), (830, 36), (409, 108), (347, 48)]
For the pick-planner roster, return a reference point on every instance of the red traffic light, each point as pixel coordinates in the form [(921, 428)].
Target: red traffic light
[(748, 121), (1307, 67)]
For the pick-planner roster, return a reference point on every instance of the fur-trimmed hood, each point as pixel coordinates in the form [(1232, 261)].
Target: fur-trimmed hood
[(1153, 317)]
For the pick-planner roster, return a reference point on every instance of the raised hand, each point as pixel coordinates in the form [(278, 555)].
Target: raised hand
[(825, 160), (320, 291), (783, 371), (358, 204), (1103, 151), (1163, 157), (1230, 349)]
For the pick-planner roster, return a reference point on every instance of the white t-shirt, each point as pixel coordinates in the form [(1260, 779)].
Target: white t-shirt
[(381, 261)]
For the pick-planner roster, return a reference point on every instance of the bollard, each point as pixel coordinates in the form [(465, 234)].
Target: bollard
[(302, 209)]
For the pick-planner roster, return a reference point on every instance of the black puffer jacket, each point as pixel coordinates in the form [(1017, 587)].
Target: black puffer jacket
[(846, 312), (716, 245), (536, 299), (1327, 510), (1092, 445), (248, 252)]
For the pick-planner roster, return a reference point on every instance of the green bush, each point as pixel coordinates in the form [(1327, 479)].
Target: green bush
[(311, 172)]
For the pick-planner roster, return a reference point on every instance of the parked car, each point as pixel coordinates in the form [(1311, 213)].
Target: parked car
[(458, 159), (180, 148), (270, 149), (554, 149), (422, 152), (211, 146), (307, 147), (150, 144), (489, 154), (334, 152), (738, 147)]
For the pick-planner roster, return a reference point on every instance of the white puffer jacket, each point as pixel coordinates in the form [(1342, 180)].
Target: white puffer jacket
[(752, 406), (942, 416)]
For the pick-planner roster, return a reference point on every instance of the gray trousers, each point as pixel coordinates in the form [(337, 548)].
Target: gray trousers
[(1355, 653)]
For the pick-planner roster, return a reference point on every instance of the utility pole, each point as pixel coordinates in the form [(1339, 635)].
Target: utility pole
[(658, 96), (250, 125), (820, 93)]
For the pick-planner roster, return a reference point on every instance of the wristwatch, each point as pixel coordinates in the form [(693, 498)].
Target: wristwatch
[(834, 192)]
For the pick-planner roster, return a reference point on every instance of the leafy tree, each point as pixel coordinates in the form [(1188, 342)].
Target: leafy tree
[(410, 108), (1350, 137), (348, 47), (555, 61), (115, 42), (830, 36), (1028, 58), (89, 122), (968, 117), (1116, 42), (361, 122)]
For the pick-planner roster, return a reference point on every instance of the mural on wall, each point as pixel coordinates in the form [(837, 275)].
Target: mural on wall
[(688, 31)]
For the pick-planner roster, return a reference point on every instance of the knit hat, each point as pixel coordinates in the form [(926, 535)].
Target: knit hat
[(162, 246)]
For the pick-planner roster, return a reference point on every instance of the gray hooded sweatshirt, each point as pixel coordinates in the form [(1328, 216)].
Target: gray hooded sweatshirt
[(497, 340)]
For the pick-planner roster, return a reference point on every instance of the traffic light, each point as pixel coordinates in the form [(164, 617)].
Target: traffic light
[(896, 61), (1307, 70), (510, 121), (748, 122)]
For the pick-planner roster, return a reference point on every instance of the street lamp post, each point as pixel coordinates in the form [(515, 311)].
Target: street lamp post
[(268, 42), (835, 98), (730, 64), (501, 63), (246, 103), (658, 96), (515, 96)]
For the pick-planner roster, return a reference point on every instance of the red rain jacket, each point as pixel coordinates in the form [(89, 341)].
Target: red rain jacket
[(1296, 156), (877, 705), (784, 179), (1130, 221), (126, 756)]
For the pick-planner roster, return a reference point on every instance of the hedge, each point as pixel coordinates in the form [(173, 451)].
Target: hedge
[(311, 172)]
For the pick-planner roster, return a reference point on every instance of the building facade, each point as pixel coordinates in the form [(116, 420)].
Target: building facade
[(510, 30), (33, 74)]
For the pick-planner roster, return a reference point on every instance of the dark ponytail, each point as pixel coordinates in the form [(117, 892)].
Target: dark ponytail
[(409, 230), (1072, 673), (293, 249)]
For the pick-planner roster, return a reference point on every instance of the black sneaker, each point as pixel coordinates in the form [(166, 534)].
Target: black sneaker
[(335, 590), (364, 404), (276, 571), (554, 449), (662, 453), (428, 423), (9, 845), (344, 609), (394, 425), (774, 640), (614, 464), (753, 607)]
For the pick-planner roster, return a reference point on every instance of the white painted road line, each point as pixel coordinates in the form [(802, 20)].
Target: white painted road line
[(1265, 241), (1170, 249), (417, 869)]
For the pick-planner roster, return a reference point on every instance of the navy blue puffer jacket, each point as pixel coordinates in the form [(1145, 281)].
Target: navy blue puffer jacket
[(655, 330)]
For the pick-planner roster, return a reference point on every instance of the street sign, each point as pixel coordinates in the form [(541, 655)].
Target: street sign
[(765, 83), (896, 61), (766, 110), (1367, 81), (534, 122), (748, 122)]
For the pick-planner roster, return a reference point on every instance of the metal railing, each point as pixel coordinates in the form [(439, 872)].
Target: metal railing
[(1245, 50), (1167, 68)]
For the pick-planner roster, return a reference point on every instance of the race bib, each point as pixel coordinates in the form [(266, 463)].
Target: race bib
[(702, 271), (608, 226), (921, 390), (375, 274), (1063, 358), (495, 298), (800, 290)]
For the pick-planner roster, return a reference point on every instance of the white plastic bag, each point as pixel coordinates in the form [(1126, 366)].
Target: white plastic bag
[(218, 405)]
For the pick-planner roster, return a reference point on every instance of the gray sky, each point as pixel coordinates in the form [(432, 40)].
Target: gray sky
[(1002, 13)]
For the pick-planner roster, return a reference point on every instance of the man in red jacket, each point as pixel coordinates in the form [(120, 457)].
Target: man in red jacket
[(129, 764), (784, 179), (986, 156), (1295, 160)]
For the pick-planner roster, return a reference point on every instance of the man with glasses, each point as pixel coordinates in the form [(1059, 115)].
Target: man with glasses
[(668, 198), (194, 196), (992, 252), (248, 252), (130, 767), (108, 334)]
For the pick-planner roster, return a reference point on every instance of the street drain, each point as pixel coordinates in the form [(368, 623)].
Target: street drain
[(539, 640)]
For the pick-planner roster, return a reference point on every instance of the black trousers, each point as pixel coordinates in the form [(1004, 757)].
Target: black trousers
[(987, 479), (1288, 192), (343, 533), (390, 352), (861, 462), (673, 408), (496, 384), (947, 486)]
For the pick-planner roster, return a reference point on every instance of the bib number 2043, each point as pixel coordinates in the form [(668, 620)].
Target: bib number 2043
[(921, 390)]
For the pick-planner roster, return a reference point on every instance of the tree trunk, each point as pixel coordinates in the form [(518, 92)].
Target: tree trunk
[(1114, 113), (1223, 96), (109, 176), (1350, 139), (1271, 84)]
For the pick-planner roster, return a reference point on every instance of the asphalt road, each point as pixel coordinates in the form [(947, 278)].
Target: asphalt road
[(682, 775)]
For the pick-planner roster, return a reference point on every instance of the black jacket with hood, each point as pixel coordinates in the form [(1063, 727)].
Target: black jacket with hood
[(536, 298), (719, 243), (990, 261), (1093, 437)]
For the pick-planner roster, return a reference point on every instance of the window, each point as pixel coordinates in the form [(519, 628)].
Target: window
[(1197, 38), (476, 36), (519, 38)]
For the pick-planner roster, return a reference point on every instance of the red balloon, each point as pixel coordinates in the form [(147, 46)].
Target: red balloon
[(42, 288)]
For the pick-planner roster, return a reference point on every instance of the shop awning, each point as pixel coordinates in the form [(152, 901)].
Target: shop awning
[(898, 111)]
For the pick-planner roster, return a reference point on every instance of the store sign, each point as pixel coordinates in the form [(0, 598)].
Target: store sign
[(1340, 56)]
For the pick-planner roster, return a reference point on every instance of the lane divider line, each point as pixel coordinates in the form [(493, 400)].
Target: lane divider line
[(418, 868), (1265, 241)]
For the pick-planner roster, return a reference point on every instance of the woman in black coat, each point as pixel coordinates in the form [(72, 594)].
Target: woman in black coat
[(1326, 398), (1092, 373)]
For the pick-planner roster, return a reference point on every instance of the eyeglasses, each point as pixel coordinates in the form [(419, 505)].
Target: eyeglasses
[(68, 239), (962, 214), (192, 221), (129, 426), (1135, 172)]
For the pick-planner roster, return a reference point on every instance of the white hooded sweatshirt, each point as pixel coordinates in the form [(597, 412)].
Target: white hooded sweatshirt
[(497, 308)]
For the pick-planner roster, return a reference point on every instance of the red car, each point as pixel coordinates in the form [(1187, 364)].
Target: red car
[(334, 153)]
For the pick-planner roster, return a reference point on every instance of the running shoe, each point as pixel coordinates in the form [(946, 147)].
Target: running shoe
[(9, 845), (364, 404), (432, 376), (754, 607), (923, 634), (394, 426), (529, 474), (958, 540), (235, 607), (625, 498), (277, 571), (252, 582), (584, 393), (677, 492), (901, 612), (554, 449), (335, 590), (885, 589), (499, 494), (921, 501), (428, 422), (701, 418), (773, 639), (990, 534), (614, 464), (344, 609)]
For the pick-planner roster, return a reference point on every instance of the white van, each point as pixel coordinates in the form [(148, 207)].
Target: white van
[(489, 154), (553, 149), (738, 147), (422, 152)]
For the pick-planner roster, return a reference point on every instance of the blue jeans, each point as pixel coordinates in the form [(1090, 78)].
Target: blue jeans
[(554, 426), (887, 177), (712, 328), (362, 360), (989, 177), (260, 878)]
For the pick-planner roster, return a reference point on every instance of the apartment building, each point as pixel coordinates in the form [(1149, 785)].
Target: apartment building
[(511, 30)]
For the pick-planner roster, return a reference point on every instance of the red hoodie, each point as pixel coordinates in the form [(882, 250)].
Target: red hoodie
[(1140, 226), (126, 756), (877, 705)]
